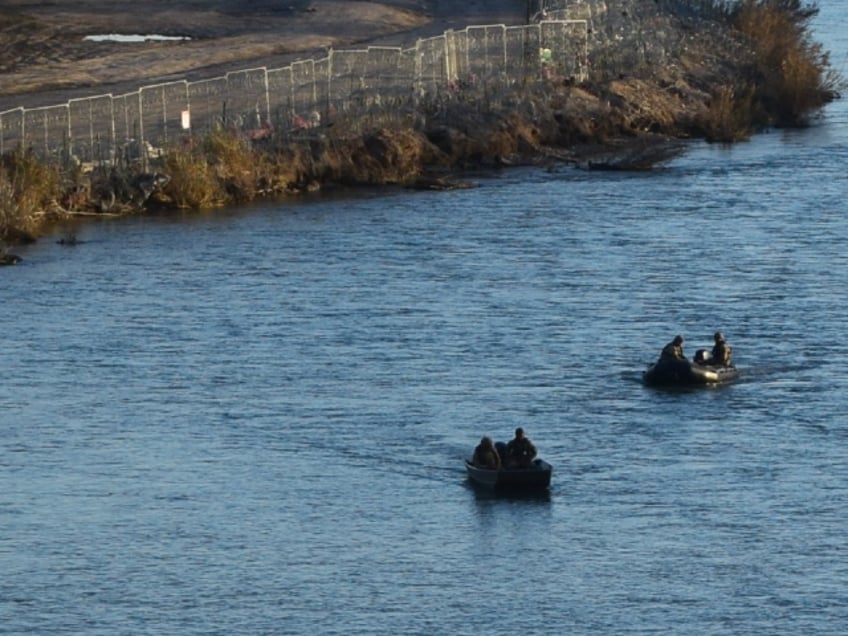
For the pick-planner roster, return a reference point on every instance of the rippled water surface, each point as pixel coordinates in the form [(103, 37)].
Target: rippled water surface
[(252, 421)]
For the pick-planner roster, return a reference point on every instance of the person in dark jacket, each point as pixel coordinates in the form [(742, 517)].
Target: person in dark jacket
[(673, 350), (485, 455), (722, 352), (520, 451)]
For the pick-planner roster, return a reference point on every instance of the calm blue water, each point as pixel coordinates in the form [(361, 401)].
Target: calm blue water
[(252, 421)]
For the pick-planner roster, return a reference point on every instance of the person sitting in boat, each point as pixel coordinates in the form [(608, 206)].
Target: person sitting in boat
[(673, 350), (520, 451), (722, 352), (485, 455)]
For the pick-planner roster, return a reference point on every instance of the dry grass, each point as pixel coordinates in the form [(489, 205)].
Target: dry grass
[(28, 187), (728, 116), (193, 183), (235, 164), (792, 73), (223, 167)]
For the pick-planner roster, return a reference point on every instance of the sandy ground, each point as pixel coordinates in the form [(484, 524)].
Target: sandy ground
[(45, 58)]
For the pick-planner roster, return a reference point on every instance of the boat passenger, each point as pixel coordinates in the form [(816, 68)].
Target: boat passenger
[(673, 350), (520, 451), (722, 352), (485, 455)]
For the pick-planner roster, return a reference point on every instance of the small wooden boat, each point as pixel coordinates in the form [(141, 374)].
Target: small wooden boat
[(685, 373), (536, 477)]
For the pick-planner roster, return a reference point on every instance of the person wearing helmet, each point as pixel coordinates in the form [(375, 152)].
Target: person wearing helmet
[(673, 350), (722, 352)]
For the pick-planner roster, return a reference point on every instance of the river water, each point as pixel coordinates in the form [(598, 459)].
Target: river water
[(252, 421)]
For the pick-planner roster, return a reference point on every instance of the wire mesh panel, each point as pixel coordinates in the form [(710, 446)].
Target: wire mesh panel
[(80, 129), (11, 129), (522, 53), (476, 52), (383, 73), (162, 108), (129, 133), (456, 62), (487, 51), (153, 115), (408, 66), (564, 49), (431, 71), (127, 115), (177, 115), (91, 129), (280, 95), (346, 78), (320, 107), (247, 99), (303, 92), (46, 130), (103, 128), (35, 134), (207, 101)]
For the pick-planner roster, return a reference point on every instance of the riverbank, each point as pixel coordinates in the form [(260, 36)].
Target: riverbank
[(741, 69)]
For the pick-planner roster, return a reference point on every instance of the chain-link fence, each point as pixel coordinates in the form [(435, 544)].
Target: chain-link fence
[(484, 63), (635, 36)]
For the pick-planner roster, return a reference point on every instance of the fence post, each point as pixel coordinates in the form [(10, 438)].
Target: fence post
[(416, 78), (267, 97), (330, 55), (450, 48), (141, 145), (70, 132), (90, 130), (46, 142), (114, 150), (6, 144)]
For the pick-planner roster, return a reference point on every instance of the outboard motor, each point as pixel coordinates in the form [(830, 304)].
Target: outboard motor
[(702, 356)]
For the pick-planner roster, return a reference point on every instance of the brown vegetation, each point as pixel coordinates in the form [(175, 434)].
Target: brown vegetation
[(728, 116), (29, 190), (792, 73)]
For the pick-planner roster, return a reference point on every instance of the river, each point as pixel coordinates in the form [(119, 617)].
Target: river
[(252, 421)]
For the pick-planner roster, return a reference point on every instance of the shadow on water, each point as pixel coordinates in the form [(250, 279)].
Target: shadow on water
[(746, 375), (482, 494)]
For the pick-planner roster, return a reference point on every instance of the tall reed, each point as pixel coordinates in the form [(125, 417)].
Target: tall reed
[(28, 187), (792, 73)]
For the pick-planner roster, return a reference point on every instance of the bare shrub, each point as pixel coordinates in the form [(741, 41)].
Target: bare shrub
[(728, 116), (28, 187), (791, 71), (193, 183), (234, 162)]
